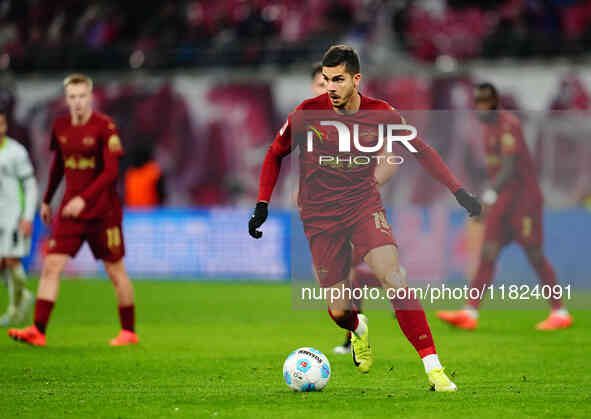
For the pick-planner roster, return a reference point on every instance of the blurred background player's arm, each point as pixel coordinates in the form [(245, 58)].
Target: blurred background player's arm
[(56, 174), (509, 150), (508, 163), (30, 193)]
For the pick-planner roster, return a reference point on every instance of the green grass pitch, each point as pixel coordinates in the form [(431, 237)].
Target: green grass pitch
[(217, 350)]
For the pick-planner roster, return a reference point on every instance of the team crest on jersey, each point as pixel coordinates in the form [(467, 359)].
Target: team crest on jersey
[(114, 143), (51, 243), (63, 139), (111, 126), (88, 141)]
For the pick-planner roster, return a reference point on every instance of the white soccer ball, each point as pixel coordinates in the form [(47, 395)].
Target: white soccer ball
[(306, 369)]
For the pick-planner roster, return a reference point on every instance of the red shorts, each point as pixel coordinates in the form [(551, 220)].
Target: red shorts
[(332, 252), (521, 220), (104, 236)]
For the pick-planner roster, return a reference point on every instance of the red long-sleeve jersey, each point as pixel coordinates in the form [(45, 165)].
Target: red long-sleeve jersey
[(333, 194), (88, 156)]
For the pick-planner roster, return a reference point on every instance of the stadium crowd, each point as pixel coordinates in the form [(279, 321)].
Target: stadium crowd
[(104, 34)]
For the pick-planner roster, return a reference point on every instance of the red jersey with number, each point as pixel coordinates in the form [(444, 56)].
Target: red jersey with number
[(87, 156), (504, 137), (335, 193)]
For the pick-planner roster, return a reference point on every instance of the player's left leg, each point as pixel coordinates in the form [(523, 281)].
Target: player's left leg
[(47, 292), (20, 298), (13, 246), (411, 317), (7, 316), (373, 238), (527, 224), (107, 243), (124, 292), (497, 233), (559, 317)]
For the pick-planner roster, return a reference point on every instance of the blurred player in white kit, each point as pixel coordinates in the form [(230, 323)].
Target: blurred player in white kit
[(18, 201)]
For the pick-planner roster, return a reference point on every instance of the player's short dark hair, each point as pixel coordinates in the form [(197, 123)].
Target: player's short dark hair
[(486, 90), (342, 54), (317, 68)]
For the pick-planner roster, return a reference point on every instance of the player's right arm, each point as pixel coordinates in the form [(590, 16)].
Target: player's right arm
[(56, 174), (279, 148)]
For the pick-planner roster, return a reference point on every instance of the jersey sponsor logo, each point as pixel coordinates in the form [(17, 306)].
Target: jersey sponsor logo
[(114, 143), (80, 163), (88, 141)]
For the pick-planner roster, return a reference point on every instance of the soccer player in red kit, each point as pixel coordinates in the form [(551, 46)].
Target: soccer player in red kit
[(340, 207), (513, 210), (360, 276), (86, 149)]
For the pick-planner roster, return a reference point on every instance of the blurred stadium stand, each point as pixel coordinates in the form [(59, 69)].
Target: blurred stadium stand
[(204, 85), (51, 35)]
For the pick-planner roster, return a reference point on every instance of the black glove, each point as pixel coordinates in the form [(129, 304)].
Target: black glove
[(469, 202), (257, 219)]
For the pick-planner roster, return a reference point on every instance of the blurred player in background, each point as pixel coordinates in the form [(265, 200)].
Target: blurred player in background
[(513, 210), (361, 275), (18, 201), (342, 208), (318, 82), (86, 149)]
